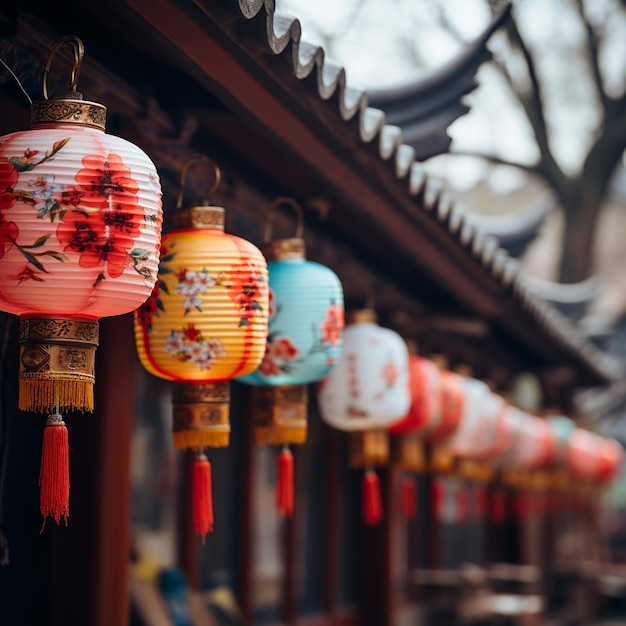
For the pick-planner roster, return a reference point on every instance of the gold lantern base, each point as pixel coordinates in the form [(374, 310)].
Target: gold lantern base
[(441, 459), (280, 415), (57, 358), (407, 452), (201, 418), (368, 448)]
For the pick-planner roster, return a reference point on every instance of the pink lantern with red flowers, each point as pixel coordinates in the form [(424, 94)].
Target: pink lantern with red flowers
[(80, 224)]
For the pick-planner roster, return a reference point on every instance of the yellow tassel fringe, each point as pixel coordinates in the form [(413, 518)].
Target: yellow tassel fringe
[(195, 439), (279, 435), (45, 395)]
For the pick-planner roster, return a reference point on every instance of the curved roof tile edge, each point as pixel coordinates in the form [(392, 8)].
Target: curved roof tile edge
[(371, 125)]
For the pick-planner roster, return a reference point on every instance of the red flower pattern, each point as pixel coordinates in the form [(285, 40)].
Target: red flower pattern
[(106, 181), (390, 374), (283, 349), (105, 236), (247, 287), (333, 325), (277, 354), (8, 180), (191, 332), (8, 234)]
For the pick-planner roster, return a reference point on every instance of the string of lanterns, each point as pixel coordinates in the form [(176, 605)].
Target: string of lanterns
[(80, 215)]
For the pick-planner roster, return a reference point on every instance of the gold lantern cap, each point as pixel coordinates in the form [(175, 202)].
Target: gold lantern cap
[(68, 106), (199, 216), (291, 247), (363, 316)]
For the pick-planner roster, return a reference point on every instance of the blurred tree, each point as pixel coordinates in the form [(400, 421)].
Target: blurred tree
[(582, 191), (564, 62)]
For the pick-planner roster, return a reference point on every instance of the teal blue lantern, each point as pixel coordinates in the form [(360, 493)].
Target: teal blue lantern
[(303, 344)]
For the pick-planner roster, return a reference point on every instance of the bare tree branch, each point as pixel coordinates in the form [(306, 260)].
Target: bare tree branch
[(496, 160), (533, 105), (593, 45)]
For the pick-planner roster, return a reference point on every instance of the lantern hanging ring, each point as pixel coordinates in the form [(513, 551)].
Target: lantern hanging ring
[(217, 173), (269, 219), (79, 52)]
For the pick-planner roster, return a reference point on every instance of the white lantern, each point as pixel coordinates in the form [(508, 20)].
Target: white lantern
[(366, 393)]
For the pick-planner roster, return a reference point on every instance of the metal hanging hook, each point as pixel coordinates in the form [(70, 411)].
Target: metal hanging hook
[(79, 52), (193, 159), (269, 218)]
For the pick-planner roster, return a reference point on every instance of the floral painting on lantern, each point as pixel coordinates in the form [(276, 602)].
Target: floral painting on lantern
[(282, 356), (188, 344), (97, 219), (369, 388)]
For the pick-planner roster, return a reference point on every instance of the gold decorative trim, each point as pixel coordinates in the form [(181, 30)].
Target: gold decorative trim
[(57, 364), (363, 316), (407, 452), (281, 249), (199, 217), (368, 448), (62, 111), (280, 415), (201, 416)]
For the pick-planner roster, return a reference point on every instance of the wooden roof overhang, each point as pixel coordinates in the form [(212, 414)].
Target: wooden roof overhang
[(284, 115)]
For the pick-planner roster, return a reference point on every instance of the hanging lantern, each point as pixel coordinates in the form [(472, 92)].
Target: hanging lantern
[(407, 443), (365, 394), (424, 413), (451, 403), (80, 222), (583, 454), (205, 323), (477, 434), (304, 344), (562, 427), (610, 460)]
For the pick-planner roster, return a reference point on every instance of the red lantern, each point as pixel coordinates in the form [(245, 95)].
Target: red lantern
[(407, 435), (80, 222), (583, 457), (611, 458)]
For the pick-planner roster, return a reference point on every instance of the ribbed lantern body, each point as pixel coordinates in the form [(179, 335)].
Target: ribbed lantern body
[(80, 228), (205, 323), (534, 444), (477, 433), (303, 345), (425, 410), (583, 454), (611, 459), (305, 325), (369, 388), (207, 319), (80, 225)]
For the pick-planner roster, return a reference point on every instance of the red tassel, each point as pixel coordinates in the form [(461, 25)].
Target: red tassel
[(202, 496), (480, 501), (498, 506), (437, 496), (284, 483), (462, 505), (372, 500), (522, 505), (54, 475), (409, 498)]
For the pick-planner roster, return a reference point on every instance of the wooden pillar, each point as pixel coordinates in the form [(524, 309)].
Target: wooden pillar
[(112, 493)]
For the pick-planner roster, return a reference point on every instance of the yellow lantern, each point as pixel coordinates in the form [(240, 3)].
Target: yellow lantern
[(205, 323)]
